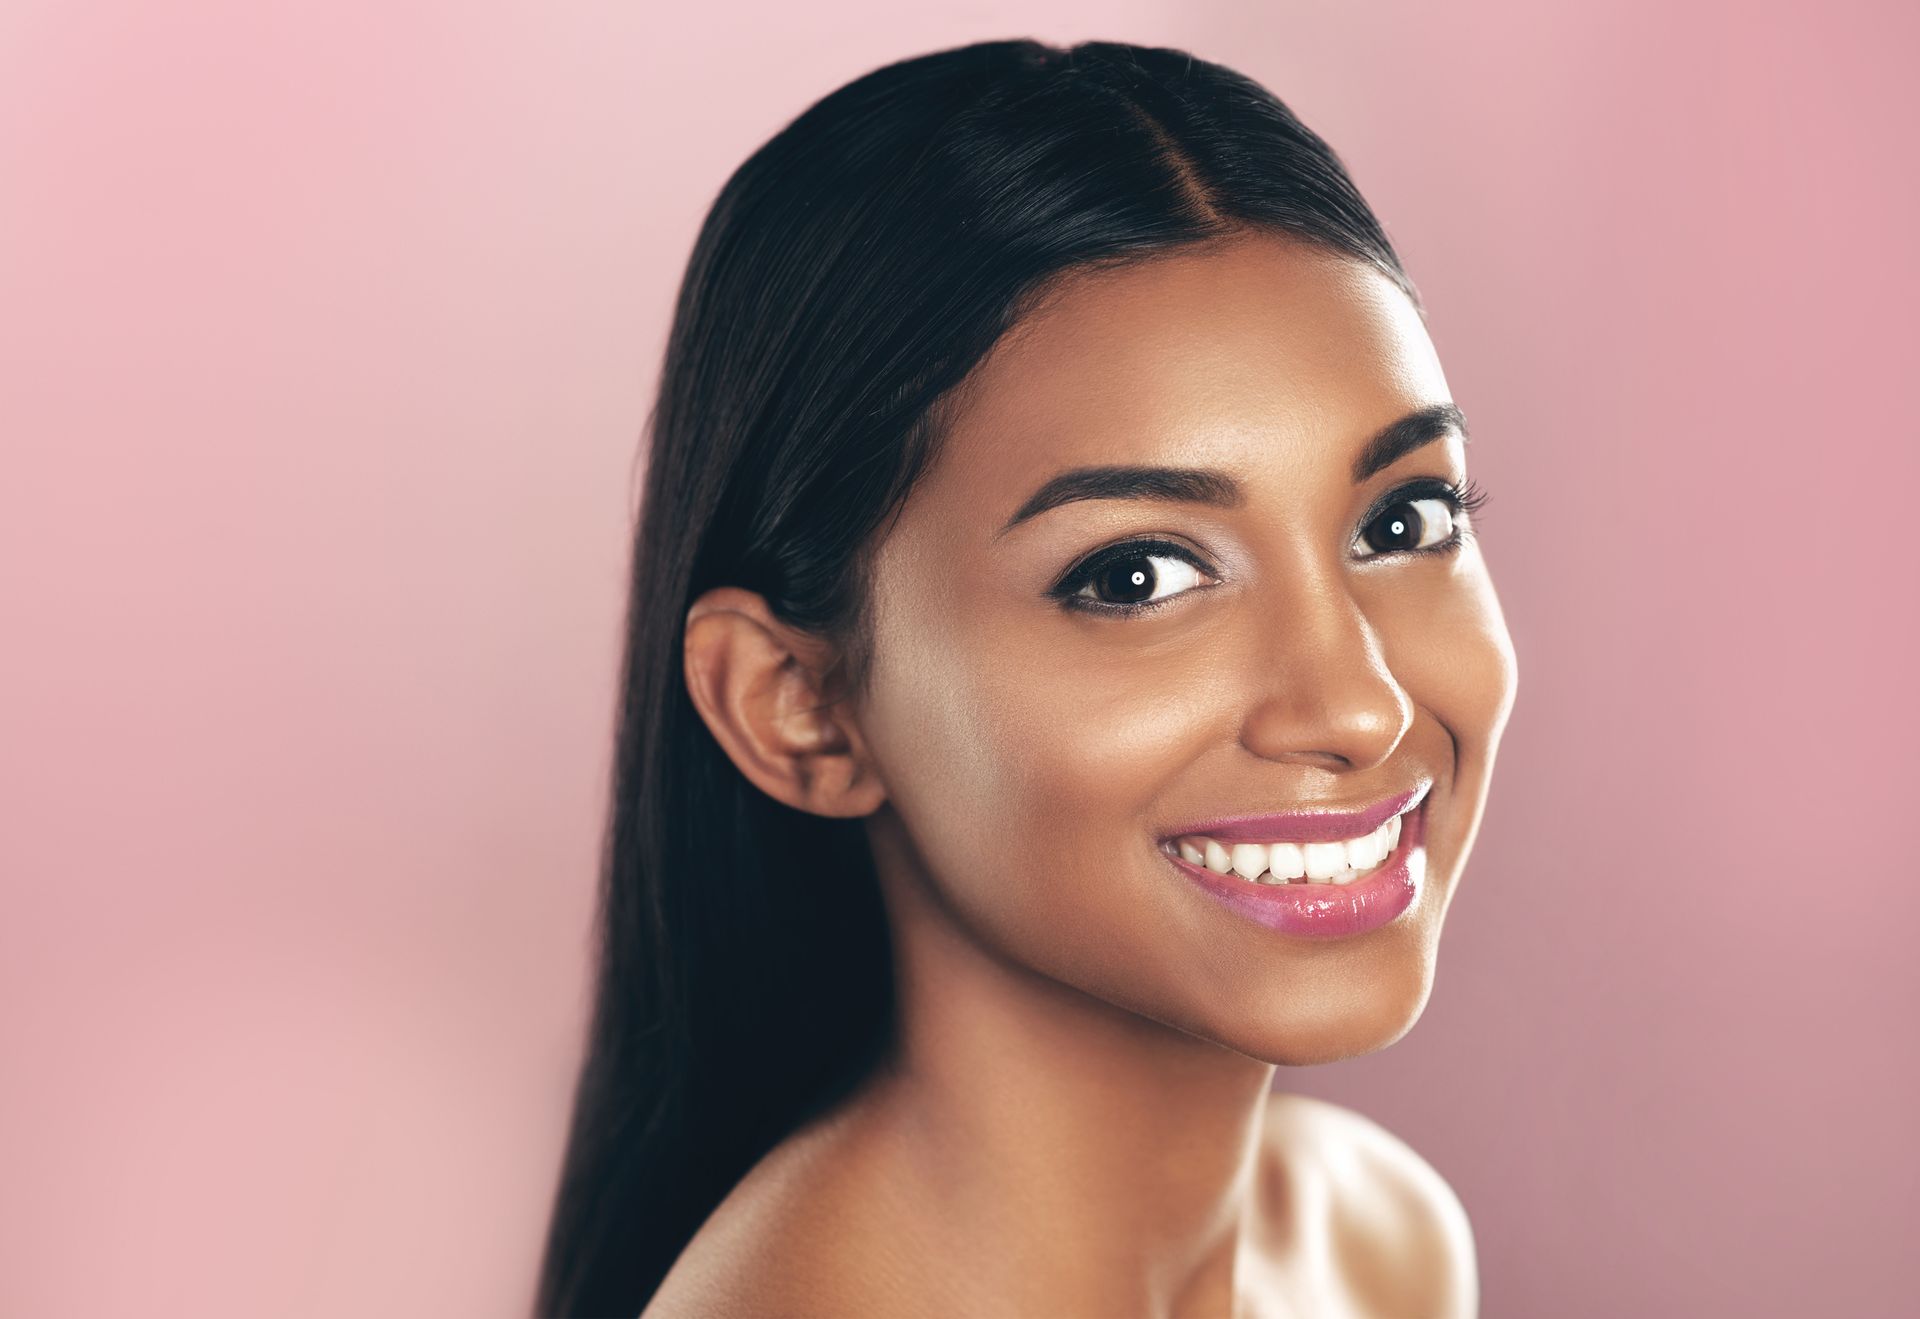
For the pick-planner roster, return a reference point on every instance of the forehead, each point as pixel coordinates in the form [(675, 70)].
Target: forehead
[(1256, 353)]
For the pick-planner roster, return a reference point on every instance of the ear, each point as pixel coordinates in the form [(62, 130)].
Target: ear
[(758, 684)]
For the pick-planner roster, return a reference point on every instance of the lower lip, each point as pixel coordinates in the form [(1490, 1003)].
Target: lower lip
[(1328, 911)]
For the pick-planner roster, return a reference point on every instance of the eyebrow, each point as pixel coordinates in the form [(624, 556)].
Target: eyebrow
[(1209, 485)]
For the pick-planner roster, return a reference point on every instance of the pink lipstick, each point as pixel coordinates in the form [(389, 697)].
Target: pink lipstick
[(1319, 910)]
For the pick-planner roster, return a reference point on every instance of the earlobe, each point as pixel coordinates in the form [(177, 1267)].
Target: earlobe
[(757, 683)]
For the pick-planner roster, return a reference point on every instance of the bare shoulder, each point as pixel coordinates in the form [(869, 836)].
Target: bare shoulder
[(802, 1234), (1400, 1237)]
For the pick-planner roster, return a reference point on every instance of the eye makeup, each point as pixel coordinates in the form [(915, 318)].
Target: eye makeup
[(1462, 500)]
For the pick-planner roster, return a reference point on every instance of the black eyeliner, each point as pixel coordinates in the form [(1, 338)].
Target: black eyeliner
[(1068, 587), (1464, 497)]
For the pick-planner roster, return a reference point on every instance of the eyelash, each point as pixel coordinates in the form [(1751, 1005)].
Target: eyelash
[(1465, 499)]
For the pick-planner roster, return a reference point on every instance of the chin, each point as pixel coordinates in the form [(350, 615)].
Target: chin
[(1335, 1012)]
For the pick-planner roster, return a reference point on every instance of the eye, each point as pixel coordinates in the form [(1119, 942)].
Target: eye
[(1411, 524), (1428, 516), (1133, 578)]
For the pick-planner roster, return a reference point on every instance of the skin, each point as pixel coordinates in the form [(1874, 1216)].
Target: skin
[(1079, 1119)]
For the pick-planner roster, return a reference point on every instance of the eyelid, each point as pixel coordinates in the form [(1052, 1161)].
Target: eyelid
[(1066, 590), (1462, 493), (1463, 498)]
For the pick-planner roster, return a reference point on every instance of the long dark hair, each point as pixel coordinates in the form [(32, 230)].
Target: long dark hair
[(849, 275)]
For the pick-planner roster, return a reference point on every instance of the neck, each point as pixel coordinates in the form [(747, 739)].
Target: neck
[(1090, 1151)]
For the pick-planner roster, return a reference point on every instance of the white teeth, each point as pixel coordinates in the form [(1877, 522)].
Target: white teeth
[(1249, 860), (1325, 860), (1288, 861), (1366, 853), (1280, 863)]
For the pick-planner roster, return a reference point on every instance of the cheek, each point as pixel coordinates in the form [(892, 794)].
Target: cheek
[(1476, 690), (1025, 781), (1450, 649)]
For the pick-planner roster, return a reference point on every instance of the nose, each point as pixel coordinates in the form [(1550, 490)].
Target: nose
[(1326, 695)]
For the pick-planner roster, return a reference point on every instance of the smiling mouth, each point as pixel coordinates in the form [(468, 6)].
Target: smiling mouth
[(1348, 901), (1317, 848)]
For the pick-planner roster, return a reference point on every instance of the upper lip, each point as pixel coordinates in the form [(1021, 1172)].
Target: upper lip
[(1305, 826)]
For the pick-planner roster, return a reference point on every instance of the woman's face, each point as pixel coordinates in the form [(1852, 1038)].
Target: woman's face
[(1309, 647)]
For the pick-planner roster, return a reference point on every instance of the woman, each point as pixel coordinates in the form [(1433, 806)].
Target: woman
[(1062, 686)]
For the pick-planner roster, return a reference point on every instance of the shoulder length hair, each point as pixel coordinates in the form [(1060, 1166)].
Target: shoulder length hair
[(848, 277)]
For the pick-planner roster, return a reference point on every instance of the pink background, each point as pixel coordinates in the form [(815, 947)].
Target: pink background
[(328, 334)]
